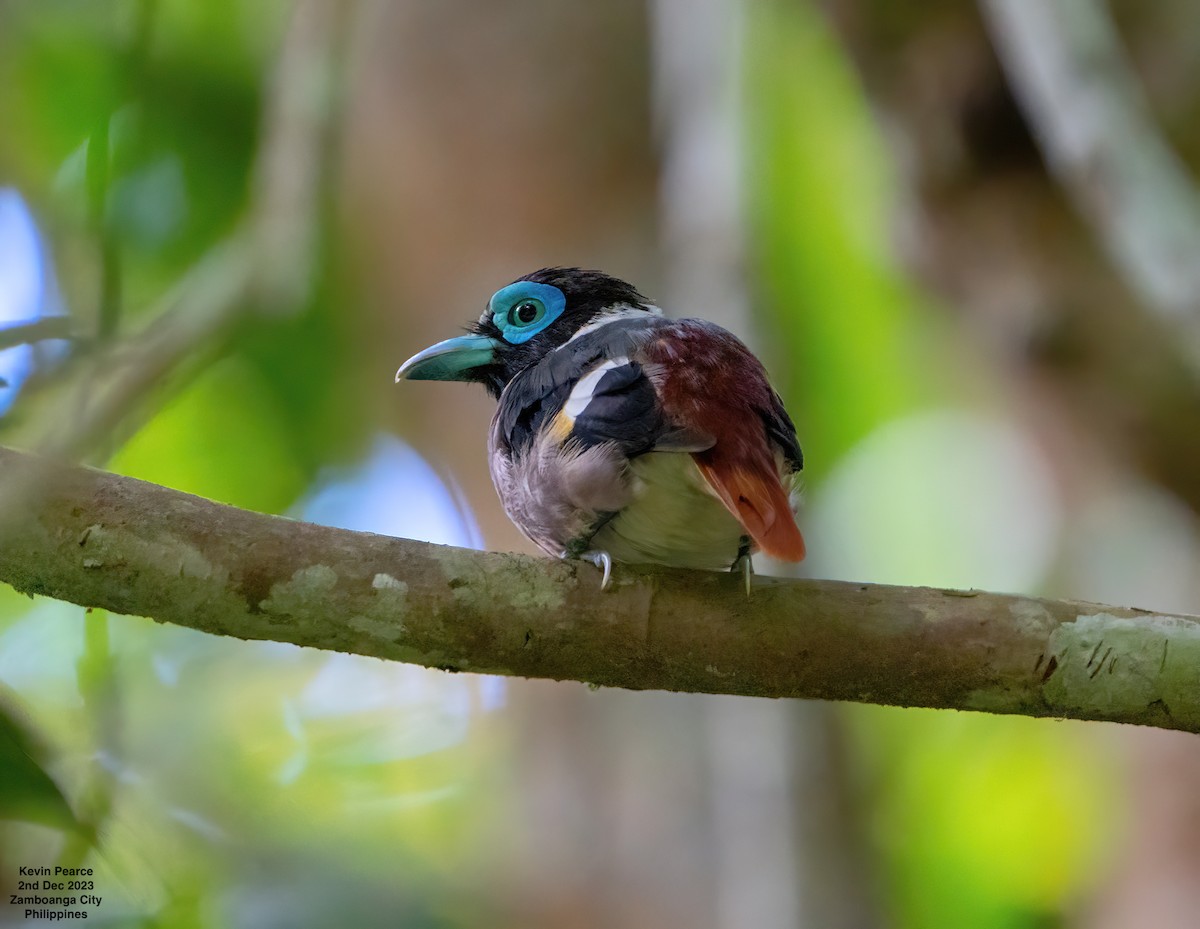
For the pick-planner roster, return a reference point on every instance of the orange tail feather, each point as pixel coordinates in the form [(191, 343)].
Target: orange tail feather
[(760, 504)]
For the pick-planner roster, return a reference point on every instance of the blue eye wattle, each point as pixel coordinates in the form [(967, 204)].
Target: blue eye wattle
[(522, 310)]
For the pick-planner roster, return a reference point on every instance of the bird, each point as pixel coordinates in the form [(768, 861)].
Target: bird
[(623, 435)]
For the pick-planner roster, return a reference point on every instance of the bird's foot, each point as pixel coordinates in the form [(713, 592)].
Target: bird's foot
[(603, 561), (744, 566)]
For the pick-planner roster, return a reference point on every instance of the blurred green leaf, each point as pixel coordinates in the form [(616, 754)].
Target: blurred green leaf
[(178, 93), (856, 341), (986, 821), (224, 438), (27, 792), (12, 604), (307, 368)]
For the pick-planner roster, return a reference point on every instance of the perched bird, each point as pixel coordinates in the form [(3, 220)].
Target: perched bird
[(621, 434)]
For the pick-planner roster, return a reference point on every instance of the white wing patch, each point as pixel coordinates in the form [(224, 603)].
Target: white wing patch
[(581, 394)]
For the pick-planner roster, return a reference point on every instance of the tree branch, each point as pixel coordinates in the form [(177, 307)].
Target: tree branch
[(116, 543), (37, 330)]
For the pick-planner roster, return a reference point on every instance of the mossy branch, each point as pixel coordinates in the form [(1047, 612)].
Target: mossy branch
[(124, 545)]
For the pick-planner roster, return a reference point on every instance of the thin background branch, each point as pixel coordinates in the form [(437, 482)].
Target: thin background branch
[(38, 330), (1091, 121), (266, 267), (789, 850)]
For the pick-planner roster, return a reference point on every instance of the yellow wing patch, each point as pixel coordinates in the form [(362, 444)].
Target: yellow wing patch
[(561, 426)]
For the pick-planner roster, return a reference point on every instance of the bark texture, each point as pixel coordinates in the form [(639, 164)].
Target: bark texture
[(101, 540)]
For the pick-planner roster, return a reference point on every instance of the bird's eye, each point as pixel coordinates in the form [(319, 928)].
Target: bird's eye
[(526, 312)]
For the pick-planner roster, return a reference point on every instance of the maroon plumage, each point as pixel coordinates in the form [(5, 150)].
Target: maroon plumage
[(711, 384)]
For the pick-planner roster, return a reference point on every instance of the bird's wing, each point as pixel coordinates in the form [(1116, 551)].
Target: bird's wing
[(709, 383), (616, 402), (566, 429), (594, 391)]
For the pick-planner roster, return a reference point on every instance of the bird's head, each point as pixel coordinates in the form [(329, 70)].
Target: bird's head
[(533, 315)]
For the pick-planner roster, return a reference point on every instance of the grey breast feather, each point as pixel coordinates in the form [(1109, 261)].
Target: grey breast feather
[(556, 493)]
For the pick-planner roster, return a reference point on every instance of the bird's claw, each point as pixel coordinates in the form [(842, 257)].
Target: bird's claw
[(603, 561), (743, 565)]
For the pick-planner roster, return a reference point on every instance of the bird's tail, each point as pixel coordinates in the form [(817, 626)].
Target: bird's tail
[(755, 495)]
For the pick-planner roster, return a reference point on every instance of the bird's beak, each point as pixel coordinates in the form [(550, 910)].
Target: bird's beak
[(450, 360)]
